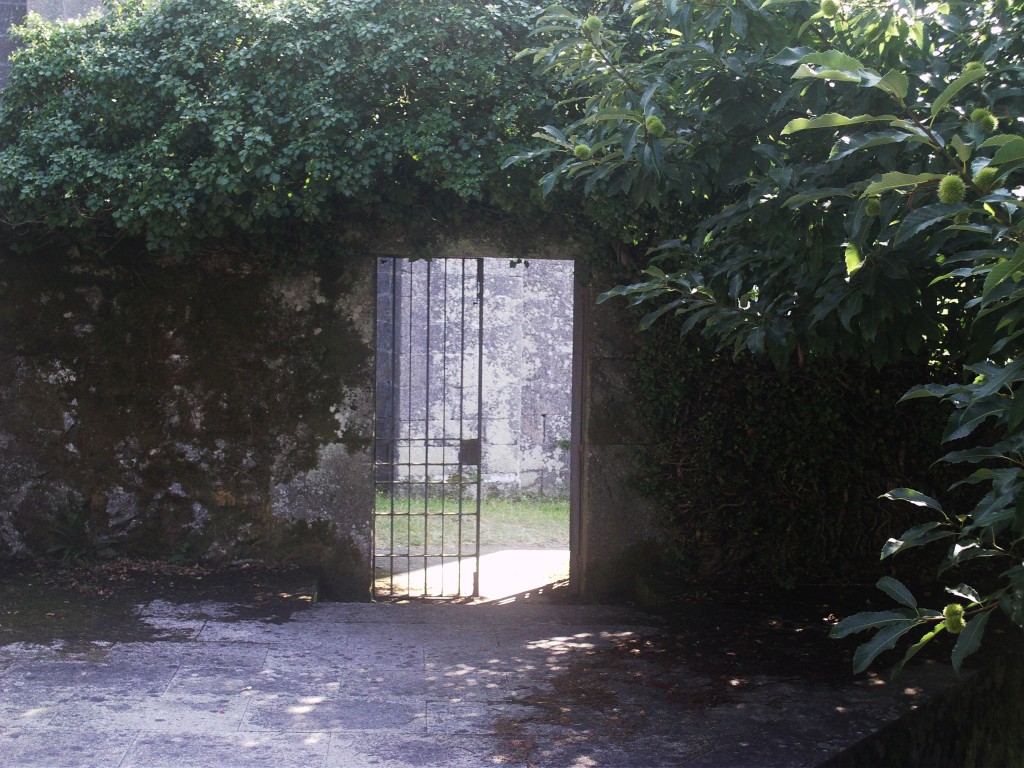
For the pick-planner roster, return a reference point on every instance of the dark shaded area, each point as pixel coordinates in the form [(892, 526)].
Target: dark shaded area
[(98, 603), (751, 655), (748, 632), (977, 724), (770, 474)]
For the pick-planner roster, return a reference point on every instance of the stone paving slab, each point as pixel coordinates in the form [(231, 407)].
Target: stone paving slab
[(415, 685)]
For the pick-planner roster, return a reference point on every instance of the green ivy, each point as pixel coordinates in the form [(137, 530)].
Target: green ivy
[(769, 475), (192, 121)]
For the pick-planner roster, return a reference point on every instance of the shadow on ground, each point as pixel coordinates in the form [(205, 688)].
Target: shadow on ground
[(133, 664), (101, 603)]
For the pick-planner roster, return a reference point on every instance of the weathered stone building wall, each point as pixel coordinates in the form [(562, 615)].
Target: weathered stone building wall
[(528, 368), (526, 352), (214, 412), (63, 9), (13, 12)]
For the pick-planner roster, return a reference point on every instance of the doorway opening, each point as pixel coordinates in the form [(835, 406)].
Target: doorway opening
[(474, 427)]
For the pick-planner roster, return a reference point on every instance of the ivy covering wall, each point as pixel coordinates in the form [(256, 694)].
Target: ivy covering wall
[(255, 123), (281, 128), (775, 475)]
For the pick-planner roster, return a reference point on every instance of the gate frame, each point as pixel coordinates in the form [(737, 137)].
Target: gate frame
[(460, 251)]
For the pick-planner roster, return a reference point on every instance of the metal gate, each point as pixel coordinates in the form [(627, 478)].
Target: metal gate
[(427, 442)]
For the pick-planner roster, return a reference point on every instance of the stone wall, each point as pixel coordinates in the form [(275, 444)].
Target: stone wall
[(222, 410), (618, 531), (217, 412), (13, 12), (528, 331), (53, 10)]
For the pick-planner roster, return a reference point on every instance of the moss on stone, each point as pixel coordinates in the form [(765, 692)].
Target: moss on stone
[(168, 401)]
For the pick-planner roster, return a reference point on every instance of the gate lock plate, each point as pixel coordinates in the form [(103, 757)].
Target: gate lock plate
[(469, 451)]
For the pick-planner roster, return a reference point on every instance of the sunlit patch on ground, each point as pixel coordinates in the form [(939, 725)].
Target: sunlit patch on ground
[(502, 574)]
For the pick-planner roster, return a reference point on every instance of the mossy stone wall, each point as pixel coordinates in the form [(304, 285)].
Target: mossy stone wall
[(215, 411)]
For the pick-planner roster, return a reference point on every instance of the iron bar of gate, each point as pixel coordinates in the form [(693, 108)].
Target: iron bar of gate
[(462, 419), (444, 413), (395, 385), (426, 436), (479, 420), (420, 470), (408, 427)]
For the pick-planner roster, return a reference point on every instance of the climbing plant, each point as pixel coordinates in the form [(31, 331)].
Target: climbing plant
[(772, 476), (190, 121)]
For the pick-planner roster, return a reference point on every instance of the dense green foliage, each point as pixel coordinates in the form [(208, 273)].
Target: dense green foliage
[(971, 164), (774, 476), (904, 240), (190, 121), (740, 257)]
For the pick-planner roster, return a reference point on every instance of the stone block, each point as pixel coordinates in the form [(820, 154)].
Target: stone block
[(619, 524), (611, 412)]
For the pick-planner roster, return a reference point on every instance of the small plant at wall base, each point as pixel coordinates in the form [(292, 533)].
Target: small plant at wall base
[(75, 541), (182, 555)]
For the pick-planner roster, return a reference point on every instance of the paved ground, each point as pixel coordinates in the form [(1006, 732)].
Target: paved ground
[(453, 686)]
